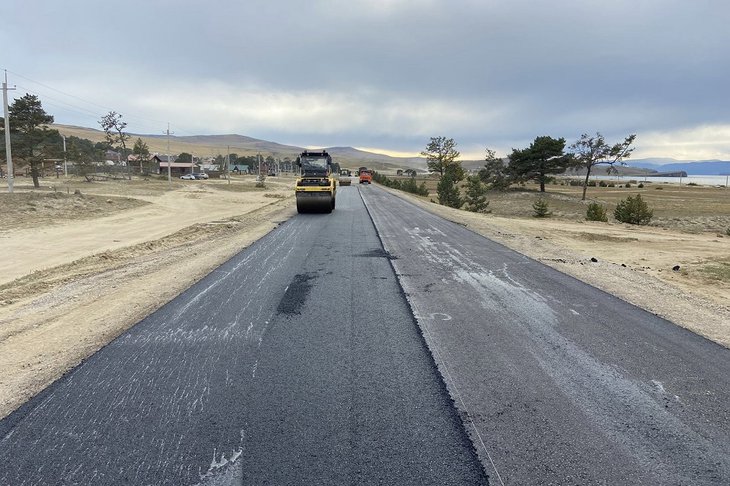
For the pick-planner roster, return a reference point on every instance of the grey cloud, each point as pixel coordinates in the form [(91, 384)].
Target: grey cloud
[(520, 68)]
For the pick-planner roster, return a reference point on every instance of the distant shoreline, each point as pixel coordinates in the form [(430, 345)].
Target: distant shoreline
[(701, 180)]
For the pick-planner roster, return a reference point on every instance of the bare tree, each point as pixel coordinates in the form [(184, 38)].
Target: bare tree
[(113, 127), (590, 151)]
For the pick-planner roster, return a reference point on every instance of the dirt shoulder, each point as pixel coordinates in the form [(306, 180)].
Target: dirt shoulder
[(75, 283)]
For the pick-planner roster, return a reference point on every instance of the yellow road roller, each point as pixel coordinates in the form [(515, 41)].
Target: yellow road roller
[(316, 187)]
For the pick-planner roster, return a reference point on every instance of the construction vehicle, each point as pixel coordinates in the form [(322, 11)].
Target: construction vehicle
[(315, 187), (344, 179), (366, 176)]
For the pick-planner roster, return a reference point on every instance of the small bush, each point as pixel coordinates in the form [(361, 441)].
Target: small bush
[(603, 184), (475, 199), (448, 192), (633, 210), (591, 183), (641, 186), (611, 184), (727, 232), (628, 185), (692, 184), (659, 188), (541, 208), (596, 212)]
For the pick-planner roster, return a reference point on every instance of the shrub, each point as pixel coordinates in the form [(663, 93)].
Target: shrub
[(692, 184), (591, 183), (659, 188), (603, 184), (611, 184), (596, 212), (641, 185), (408, 185), (541, 208), (633, 210), (628, 185)]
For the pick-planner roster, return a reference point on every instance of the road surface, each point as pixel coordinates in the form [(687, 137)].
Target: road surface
[(558, 382), (305, 360), (296, 362)]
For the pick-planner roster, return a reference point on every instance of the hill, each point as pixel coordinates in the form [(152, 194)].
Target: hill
[(211, 145), (691, 167)]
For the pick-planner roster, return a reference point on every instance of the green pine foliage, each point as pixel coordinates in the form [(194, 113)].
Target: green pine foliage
[(596, 212), (448, 191), (633, 210), (541, 208), (408, 185), (475, 199)]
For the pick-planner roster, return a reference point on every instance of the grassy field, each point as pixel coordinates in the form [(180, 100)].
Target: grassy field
[(692, 209)]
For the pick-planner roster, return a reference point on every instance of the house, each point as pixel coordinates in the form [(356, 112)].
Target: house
[(239, 168), (113, 158), (151, 166), (176, 168)]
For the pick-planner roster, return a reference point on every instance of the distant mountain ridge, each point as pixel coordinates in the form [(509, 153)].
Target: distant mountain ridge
[(210, 145), (691, 167)]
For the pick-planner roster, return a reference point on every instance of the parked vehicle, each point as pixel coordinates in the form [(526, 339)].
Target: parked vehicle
[(188, 177), (200, 175)]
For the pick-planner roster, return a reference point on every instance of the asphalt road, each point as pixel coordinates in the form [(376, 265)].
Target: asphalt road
[(296, 362), (558, 382), (300, 362)]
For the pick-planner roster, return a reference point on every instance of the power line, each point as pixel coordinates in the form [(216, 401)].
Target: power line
[(106, 108)]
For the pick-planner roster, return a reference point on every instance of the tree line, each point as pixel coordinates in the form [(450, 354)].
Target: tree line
[(544, 158), (33, 142)]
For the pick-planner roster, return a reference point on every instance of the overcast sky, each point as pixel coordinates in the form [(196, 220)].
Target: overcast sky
[(384, 74)]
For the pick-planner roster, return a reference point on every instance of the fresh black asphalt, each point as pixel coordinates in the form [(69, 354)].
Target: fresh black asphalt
[(296, 362), (558, 382), (307, 360)]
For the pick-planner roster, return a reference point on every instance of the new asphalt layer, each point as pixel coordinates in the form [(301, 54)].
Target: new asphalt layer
[(381, 344), (296, 362), (558, 382)]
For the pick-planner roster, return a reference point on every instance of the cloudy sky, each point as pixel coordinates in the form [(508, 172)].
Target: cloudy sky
[(384, 74)]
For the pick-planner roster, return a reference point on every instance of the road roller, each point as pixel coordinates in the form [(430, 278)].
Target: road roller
[(316, 187)]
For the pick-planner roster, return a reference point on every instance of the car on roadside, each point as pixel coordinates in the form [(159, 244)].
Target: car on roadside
[(200, 175), (188, 177)]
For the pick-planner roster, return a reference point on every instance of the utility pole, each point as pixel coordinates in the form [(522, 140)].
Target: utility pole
[(8, 153), (169, 158), (65, 163), (228, 164)]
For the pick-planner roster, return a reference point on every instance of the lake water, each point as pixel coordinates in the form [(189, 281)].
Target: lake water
[(702, 180)]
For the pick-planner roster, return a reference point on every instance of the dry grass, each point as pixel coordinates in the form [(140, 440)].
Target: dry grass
[(30, 209), (693, 209), (719, 271)]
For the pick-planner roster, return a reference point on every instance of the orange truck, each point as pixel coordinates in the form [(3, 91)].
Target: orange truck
[(366, 177)]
